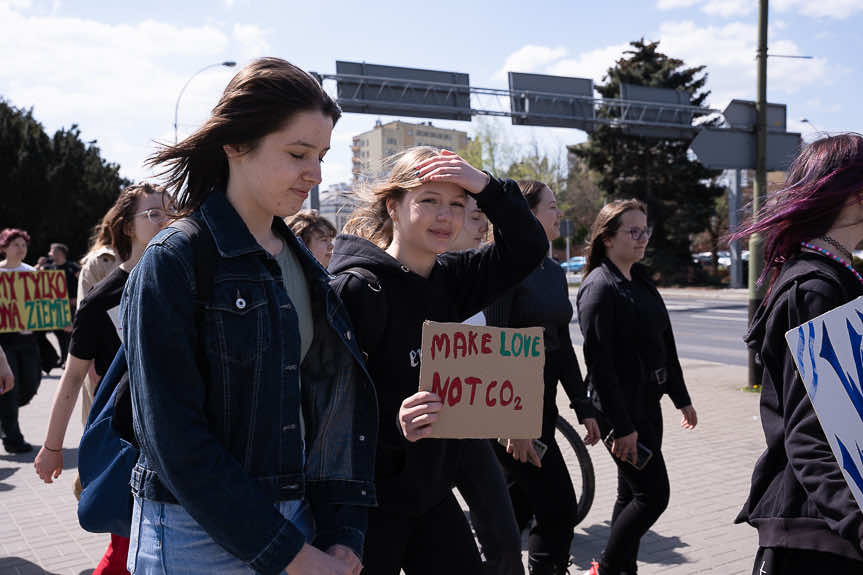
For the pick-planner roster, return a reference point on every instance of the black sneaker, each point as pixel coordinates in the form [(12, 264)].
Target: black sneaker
[(22, 447)]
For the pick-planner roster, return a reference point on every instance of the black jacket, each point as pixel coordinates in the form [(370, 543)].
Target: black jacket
[(542, 299), (799, 498), (388, 314), (619, 371)]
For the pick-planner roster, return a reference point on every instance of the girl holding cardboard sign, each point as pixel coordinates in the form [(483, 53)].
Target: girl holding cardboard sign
[(22, 350), (394, 275), (544, 489), (805, 514)]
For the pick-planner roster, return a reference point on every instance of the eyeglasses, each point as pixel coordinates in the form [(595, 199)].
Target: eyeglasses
[(640, 233), (154, 215)]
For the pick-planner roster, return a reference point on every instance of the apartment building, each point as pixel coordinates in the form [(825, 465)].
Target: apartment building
[(370, 148)]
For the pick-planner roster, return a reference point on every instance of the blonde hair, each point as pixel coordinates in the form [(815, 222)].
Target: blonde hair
[(372, 221)]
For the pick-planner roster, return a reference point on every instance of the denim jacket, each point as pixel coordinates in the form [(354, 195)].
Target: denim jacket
[(216, 394)]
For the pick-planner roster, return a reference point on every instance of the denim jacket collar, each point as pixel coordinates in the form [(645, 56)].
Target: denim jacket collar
[(233, 238)]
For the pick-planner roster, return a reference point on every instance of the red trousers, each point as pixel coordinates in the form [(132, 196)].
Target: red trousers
[(114, 560)]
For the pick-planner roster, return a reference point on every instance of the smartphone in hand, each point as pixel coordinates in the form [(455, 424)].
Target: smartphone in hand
[(643, 453)]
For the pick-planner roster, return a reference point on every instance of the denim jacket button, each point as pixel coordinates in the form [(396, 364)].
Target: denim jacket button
[(363, 491), (348, 335), (240, 303), (362, 437), (292, 367)]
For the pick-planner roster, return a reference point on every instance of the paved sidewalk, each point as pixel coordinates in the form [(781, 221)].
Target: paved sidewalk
[(710, 469)]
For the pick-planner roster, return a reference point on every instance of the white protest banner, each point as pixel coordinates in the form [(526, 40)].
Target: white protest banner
[(489, 379), (829, 358)]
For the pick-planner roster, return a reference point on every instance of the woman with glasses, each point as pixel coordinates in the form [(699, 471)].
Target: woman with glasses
[(133, 220), (541, 487), (631, 362)]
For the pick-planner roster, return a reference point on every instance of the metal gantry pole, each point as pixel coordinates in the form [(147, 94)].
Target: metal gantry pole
[(759, 192)]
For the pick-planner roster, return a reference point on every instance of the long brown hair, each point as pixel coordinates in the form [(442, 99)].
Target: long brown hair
[(258, 101), (605, 225), (122, 213), (372, 220)]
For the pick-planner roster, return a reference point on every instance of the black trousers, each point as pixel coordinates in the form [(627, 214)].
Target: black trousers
[(642, 496), (786, 561), (437, 542), (481, 482), (544, 493), (22, 352)]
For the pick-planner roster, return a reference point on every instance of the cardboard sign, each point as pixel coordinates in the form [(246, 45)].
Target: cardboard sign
[(34, 301), (489, 379), (829, 358)]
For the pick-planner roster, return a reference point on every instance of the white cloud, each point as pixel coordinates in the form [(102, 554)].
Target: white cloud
[(530, 58), (837, 9), (547, 60), (728, 8), (674, 4), (252, 41), (592, 64), (120, 82), (729, 53)]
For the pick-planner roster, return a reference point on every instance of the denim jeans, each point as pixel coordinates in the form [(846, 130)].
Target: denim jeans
[(166, 540)]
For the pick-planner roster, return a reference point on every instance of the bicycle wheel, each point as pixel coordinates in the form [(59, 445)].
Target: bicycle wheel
[(578, 462)]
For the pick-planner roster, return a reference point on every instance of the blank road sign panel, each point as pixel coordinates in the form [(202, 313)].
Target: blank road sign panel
[(397, 91), (556, 101), (732, 149), (655, 113), (742, 114)]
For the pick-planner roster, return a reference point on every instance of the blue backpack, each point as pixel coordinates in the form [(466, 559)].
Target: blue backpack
[(108, 450)]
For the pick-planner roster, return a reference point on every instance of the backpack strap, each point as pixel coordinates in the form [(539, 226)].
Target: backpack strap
[(206, 256), (370, 330)]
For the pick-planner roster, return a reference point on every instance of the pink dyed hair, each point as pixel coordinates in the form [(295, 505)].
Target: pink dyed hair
[(817, 187)]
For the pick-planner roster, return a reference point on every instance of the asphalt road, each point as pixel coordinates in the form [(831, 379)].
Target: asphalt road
[(706, 329)]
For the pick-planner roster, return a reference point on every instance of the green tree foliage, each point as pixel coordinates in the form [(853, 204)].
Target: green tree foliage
[(679, 191), (55, 188), (575, 188)]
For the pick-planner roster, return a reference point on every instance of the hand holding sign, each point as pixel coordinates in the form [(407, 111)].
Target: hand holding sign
[(417, 414)]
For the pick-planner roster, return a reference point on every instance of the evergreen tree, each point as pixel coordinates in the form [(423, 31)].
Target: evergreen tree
[(55, 188), (679, 192)]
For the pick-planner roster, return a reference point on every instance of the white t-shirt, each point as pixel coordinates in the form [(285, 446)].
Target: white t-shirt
[(22, 267)]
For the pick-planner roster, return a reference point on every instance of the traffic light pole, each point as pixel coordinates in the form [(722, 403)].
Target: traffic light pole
[(759, 192)]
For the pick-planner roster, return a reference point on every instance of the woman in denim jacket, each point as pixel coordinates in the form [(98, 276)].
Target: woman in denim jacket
[(253, 409)]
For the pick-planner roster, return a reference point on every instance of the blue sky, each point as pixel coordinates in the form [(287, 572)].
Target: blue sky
[(116, 68)]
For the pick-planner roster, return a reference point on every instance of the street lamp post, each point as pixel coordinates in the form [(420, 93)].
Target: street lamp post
[(227, 64)]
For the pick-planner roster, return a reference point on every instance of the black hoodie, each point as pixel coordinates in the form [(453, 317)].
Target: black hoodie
[(799, 498), (388, 314)]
